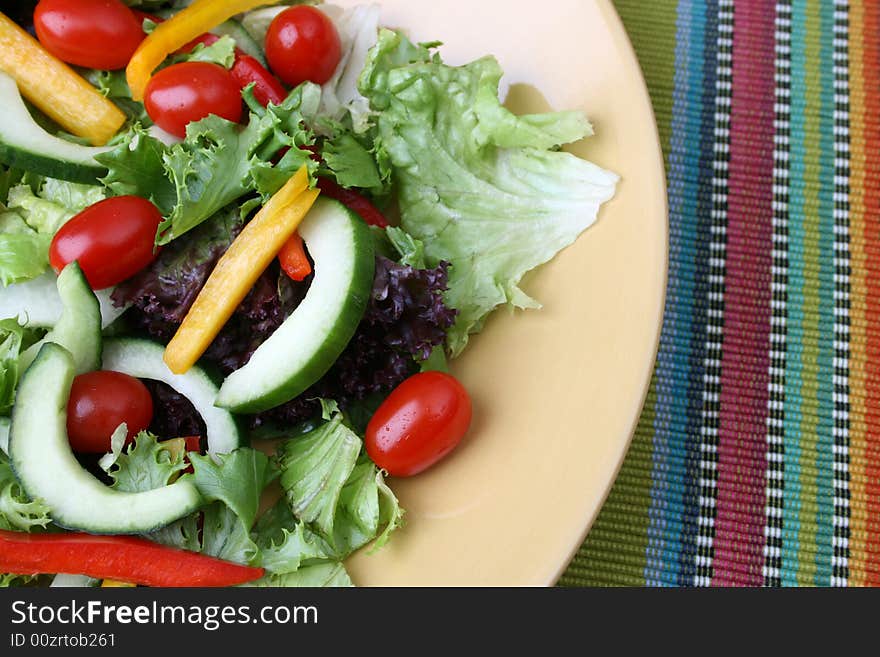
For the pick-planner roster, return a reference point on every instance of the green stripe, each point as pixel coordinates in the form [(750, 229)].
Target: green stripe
[(614, 552)]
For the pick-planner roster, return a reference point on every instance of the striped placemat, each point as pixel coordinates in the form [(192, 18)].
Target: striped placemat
[(757, 458)]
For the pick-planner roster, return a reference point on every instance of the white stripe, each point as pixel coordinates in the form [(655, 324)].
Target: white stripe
[(841, 291), (715, 319)]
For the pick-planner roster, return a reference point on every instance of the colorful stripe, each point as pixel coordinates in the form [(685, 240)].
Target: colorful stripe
[(779, 302), (864, 64), (716, 261), (840, 560), (673, 513), (757, 458)]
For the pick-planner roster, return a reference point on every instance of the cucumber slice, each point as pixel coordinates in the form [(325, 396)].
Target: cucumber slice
[(47, 469), (143, 359), (242, 38), (25, 145), (305, 346), (37, 304), (64, 580), (79, 328)]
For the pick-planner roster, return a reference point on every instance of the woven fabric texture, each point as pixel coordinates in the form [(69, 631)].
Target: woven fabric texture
[(757, 458)]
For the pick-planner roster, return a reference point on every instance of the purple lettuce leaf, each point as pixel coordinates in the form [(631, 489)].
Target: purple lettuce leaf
[(405, 320)]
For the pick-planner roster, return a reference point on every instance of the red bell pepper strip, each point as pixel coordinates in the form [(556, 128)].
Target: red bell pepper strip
[(267, 88), (293, 258), (122, 558), (246, 70), (353, 201)]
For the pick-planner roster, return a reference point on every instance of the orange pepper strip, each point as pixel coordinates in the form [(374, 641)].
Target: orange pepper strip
[(55, 88), (238, 269), (293, 258), (171, 35)]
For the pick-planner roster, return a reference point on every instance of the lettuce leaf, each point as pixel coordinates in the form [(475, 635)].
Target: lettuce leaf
[(17, 511), (31, 219), (332, 487), (358, 29), (218, 162), (12, 343), (482, 188), (314, 469), (145, 465), (323, 575)]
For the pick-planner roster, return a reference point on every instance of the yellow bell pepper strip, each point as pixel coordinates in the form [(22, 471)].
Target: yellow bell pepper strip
[(171, 35), (116, 584), (238, 269), (55, 88)]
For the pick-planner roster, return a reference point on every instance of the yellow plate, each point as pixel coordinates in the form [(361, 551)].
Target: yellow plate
[(557, 392)]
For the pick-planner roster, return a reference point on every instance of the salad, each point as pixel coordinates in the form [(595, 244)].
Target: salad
[(240, 243)]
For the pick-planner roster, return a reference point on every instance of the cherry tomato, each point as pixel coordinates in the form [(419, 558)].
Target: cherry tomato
[(92, 33), (302, 44), (100, 402), (420, 422), (112, 240), (187, 92)]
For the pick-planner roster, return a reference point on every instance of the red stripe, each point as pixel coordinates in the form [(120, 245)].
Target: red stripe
[(739, 524), (871, 192)]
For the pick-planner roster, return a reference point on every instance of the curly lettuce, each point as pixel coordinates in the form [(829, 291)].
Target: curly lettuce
[(482, 188)]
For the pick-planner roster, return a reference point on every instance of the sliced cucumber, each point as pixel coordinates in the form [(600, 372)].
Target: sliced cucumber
[(25, 145), (47, 469), (304, 347), (37, 304), (143, 359), (64, 580), (79, 328), (242, 38)]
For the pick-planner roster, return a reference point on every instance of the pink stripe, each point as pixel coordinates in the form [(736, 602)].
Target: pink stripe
[(739, 524)]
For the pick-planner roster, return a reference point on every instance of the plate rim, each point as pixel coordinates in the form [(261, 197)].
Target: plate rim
[(620, 36)]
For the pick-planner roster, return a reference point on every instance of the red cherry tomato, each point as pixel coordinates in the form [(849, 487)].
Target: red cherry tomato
[(92, 33), (112, 240), (100, 402), (302, 44), (420, 422), (187, 92)]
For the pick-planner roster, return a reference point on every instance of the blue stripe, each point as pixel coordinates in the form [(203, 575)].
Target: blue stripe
[(690, 517), (675, 476)]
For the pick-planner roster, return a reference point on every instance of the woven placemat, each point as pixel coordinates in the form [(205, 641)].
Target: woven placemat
[(757, 458)]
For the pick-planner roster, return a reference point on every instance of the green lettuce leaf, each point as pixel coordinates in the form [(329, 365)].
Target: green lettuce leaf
[(12, 343), (17, 511), (332, 487), (366, 505), (218, 162), (113, 85), (314, 469), (484, 189), (221, 52), (31, 219), (24, 253), (287, 544), (236, 479), (324, 575), (55, 202), (145, 465)]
